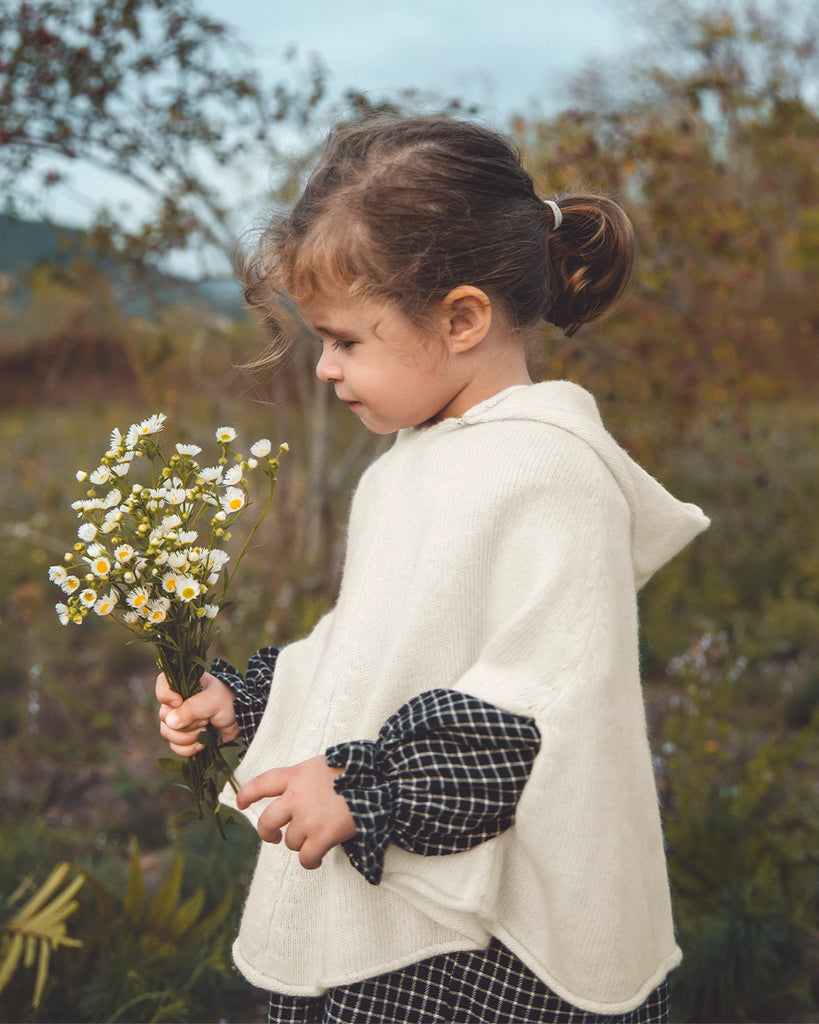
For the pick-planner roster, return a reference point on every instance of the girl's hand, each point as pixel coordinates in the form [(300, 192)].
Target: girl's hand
[(317, 818), (180, 722)]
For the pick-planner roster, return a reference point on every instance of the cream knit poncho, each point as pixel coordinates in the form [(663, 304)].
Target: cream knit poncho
[(497, 554)]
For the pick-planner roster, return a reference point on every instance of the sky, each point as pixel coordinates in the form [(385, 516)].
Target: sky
[(509, 56)]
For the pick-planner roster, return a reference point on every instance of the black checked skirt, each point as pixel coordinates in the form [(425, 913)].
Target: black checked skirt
[(487, 986)]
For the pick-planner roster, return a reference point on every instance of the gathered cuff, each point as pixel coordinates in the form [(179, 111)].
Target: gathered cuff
[(444, 775), (367, 792), (251, 690)]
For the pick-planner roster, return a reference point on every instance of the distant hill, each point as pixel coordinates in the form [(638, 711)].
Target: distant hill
[(24, 244)]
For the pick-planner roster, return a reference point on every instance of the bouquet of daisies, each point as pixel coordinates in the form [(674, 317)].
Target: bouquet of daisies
[(151, 555)]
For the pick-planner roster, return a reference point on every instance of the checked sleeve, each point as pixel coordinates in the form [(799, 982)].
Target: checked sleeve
[(251, 690), (444, 775)]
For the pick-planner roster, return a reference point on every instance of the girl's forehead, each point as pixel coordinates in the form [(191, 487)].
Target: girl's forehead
[(335, 310)]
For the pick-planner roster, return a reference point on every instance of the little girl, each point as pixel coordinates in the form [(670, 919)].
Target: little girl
[(459, 746)]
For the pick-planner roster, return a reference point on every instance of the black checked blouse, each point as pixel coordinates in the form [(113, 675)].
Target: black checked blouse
[(444, 775)]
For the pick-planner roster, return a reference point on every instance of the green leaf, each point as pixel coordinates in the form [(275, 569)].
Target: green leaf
[(11, 958), (133, 904), (166, 897)]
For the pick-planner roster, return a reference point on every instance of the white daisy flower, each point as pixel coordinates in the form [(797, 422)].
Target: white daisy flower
[(211, 611), (169, 582), (62, 611), (261, 448), (187, 588), (171, 522), (123, 553), (224, 435), (186, 536), (112, 498), (130, 618), (211, 474), (101, 475), (177, 560), (101, 565), (156, 613), (152, 425), (57, 574), (88, 597), (217, 559), (188, 449), (106, 604), (70, 584), (232, 500), (175, 495), (232, 476), (87, 532), (139, 597)]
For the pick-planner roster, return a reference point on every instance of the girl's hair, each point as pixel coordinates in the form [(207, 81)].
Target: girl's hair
[(407, 209)]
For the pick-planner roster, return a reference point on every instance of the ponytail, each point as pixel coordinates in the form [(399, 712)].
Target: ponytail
[(591, 257)]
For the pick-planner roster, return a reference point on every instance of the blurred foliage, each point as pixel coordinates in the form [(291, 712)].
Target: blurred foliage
[(165, 100), (37, 928), (707, 374), (741, 821), (136, 956), (146, 91)]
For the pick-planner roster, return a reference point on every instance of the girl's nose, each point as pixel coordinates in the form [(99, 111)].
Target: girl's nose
[(327, 368)]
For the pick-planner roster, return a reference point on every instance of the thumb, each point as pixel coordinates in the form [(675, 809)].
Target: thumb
[(187, 712)]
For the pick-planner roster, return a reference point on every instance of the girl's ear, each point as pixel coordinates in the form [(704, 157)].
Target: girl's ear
[(466, 317)]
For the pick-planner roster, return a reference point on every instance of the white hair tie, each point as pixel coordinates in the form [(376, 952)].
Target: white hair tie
[(558, 213)]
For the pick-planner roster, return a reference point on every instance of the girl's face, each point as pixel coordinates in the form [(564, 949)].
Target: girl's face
[(385, 369)]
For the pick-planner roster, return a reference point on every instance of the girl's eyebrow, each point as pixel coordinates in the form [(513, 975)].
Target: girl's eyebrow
[(331, 332)]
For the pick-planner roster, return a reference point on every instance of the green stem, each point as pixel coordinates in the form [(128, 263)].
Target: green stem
[(252, 533)]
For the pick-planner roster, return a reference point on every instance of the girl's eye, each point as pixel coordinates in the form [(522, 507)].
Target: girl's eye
[(343, 344)]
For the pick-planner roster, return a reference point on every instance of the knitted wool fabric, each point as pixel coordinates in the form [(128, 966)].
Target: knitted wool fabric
[(499, 555)]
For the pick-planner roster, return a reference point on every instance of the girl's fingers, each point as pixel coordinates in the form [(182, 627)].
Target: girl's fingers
[(294, 837), (186, 750), (272, 821), (269, 783), (164, 694), (311, 854)]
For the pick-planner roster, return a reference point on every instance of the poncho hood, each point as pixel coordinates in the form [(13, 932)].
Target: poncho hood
[(661, 525)]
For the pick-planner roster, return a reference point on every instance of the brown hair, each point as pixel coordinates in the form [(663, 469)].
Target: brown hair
[(405, 210)]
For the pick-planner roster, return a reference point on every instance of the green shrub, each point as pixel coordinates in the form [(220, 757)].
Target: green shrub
[(742, 831), (136, 956)]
